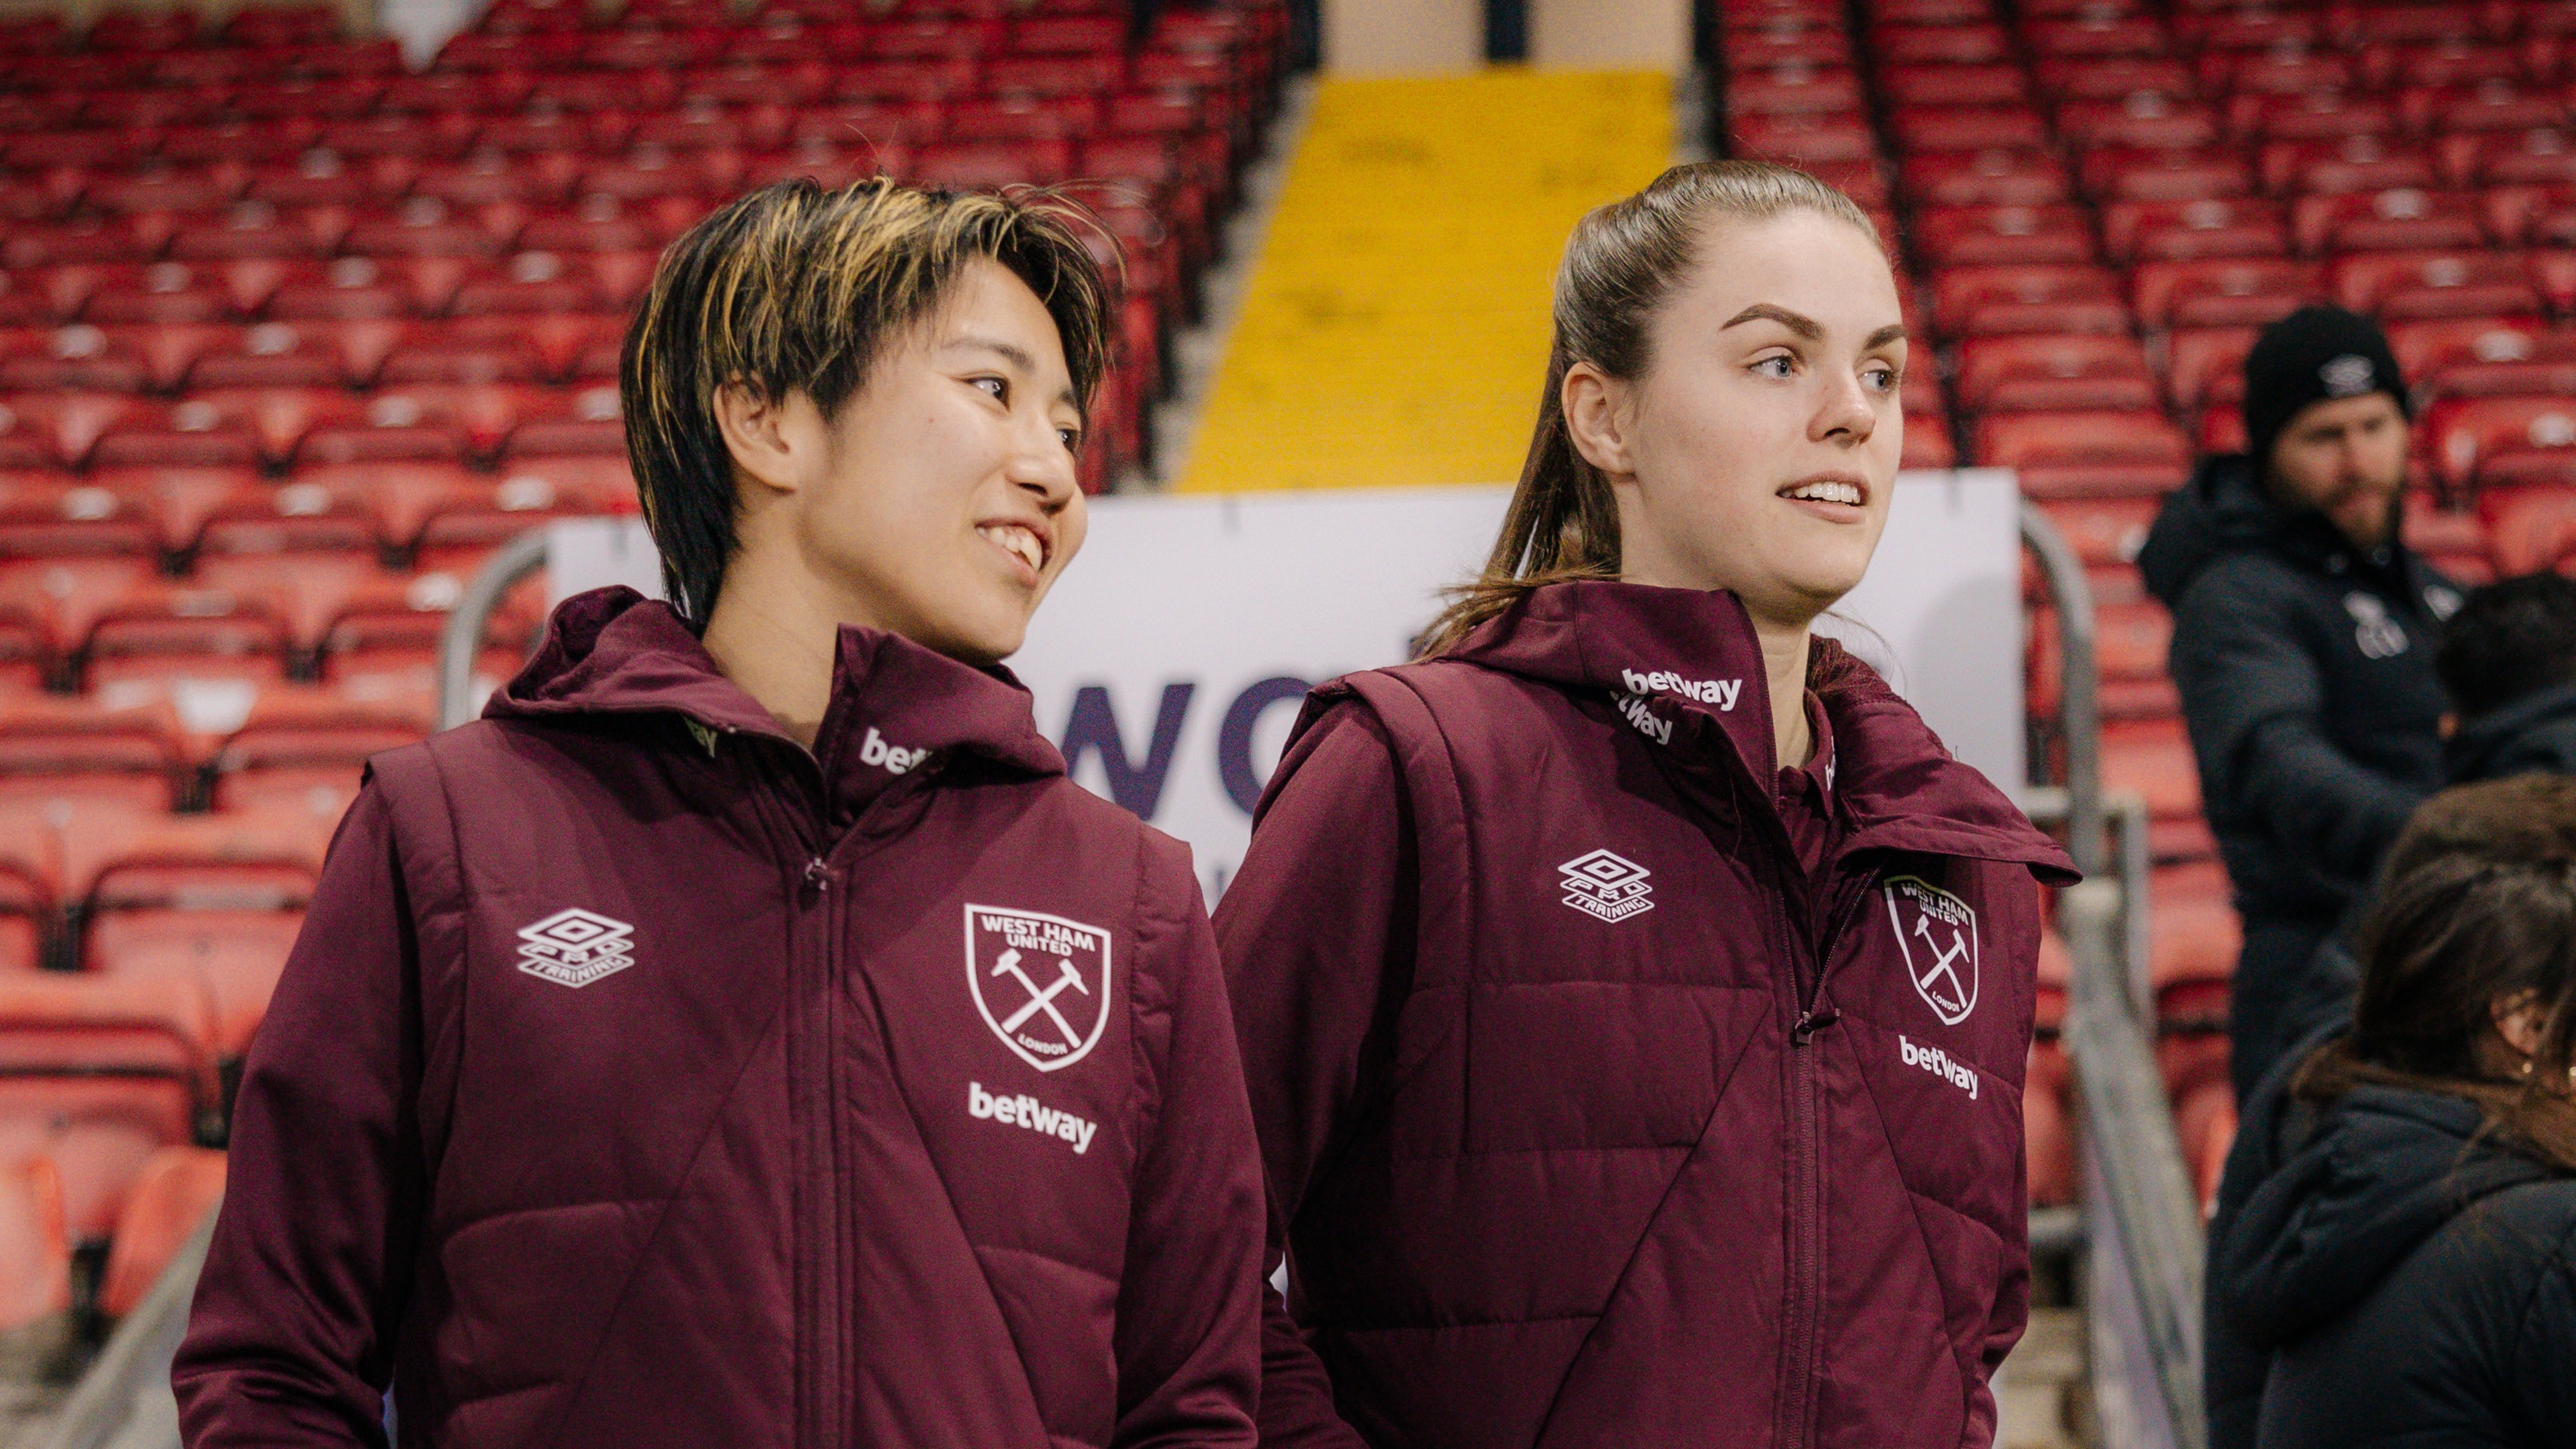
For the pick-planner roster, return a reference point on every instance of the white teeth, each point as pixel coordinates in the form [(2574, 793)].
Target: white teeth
[(1021, 542), (1827, 492)]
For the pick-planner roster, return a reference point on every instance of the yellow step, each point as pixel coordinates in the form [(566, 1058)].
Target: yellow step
[(1394, 330)]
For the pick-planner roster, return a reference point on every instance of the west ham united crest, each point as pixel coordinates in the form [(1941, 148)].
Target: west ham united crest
[(1041, 982), (1937, 931)]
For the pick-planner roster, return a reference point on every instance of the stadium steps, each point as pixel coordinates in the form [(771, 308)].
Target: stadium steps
[(1395, 328)]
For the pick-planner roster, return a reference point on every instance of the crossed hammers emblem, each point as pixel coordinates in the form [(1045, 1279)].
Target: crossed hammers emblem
[(1041, 998), (1944, 962)]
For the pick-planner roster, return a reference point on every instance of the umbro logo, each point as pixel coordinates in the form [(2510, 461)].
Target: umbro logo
[(1612, 887), (576, 947)]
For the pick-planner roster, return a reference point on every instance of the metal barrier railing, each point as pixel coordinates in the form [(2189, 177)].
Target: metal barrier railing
[(125, 1400), (2144, 1247), (462, 638)]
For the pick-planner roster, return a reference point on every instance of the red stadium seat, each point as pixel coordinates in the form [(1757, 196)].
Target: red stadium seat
[(2153, 759), (2532, 528), (2145, 119), (1962, 235), (96, 1074), (2060, 298), (490, 175), (2234, 292), (570, 421), (1928, 443), (2486, 356), (299, 354), (152, 292), (2500, 440), (2086, 454), (2131, 173), (2055, 374), (425, 226), (159, 636), (2400, 218), (2314, 115), (2538, 156), (1917, 129), (538, 281), (256, 228), (194, 433), (2023, 176), (2351, 163), (175, 1190), (2192, 230), (35, 1241), (482, 349), (360, 288), (303, 750), (1793, 139), (2457, 283), (2206, 365)]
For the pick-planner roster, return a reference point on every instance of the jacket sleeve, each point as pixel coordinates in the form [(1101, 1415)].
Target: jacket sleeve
[(292, 1336), (2255, 701), (2540, 1378), (1188, 1335), (1317, 933)]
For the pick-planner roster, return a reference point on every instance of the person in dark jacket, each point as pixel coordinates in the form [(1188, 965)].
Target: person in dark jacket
[(2393, 1260), (746, 1034), (2508, 660), (2301, 621), (2508, 663), (1633, 993)]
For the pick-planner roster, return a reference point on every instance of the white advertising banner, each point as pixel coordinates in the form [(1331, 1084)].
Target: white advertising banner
[(1170, 659)]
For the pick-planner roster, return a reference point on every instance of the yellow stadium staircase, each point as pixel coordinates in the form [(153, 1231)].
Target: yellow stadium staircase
[(1394, 329)]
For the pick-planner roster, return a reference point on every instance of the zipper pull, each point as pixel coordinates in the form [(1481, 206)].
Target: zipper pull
[(1811, 1022), (818, 875)]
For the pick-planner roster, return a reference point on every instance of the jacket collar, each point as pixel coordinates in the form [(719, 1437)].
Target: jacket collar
[(2535, 733), (614, 652), (1684, 668)]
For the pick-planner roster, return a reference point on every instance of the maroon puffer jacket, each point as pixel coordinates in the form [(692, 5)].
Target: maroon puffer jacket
[(1591, 1119), (639, 1080)]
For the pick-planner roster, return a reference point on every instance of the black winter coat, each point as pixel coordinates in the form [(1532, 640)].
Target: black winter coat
[(2391, 1279), (2306, 671), (2534, 735)]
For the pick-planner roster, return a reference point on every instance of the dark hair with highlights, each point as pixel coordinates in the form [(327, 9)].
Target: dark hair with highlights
[(797, 289), (2476, 907), (1620, 265)]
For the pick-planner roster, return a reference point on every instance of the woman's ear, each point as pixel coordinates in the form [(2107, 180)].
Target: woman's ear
[(759, 434), (2519, 1020), (1596, 418)]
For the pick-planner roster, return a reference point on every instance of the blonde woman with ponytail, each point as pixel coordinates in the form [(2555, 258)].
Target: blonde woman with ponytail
[(1634, 995)]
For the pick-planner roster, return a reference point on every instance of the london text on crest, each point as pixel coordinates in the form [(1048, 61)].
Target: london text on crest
[(1937, 932), (1041, 982)]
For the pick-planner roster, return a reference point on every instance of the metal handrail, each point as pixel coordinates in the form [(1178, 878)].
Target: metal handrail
[(2146, 1189), (2079, 702), (462, 638), (125, 1397), (2147, 1256)]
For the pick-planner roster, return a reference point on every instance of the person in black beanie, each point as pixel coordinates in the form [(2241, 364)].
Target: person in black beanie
[(2302, 647)]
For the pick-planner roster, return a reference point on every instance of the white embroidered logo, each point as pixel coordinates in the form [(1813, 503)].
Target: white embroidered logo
[(1040, 982), (2375, 634), (2350, 375), (1937, 934), (576, 947), (1606, 885)]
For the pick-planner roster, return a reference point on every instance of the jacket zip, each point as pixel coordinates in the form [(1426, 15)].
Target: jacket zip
[(1804, 1341)]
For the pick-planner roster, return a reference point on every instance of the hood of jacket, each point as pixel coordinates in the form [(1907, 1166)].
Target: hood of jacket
[(612, 652), (2224, 510), (2535, 734), (2381, 1172), (1692, 656)]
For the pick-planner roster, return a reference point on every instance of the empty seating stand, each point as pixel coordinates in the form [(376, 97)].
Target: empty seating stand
[(293, 337)]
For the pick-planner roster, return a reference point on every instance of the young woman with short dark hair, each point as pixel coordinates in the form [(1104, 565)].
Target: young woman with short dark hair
[(745, 1034)]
